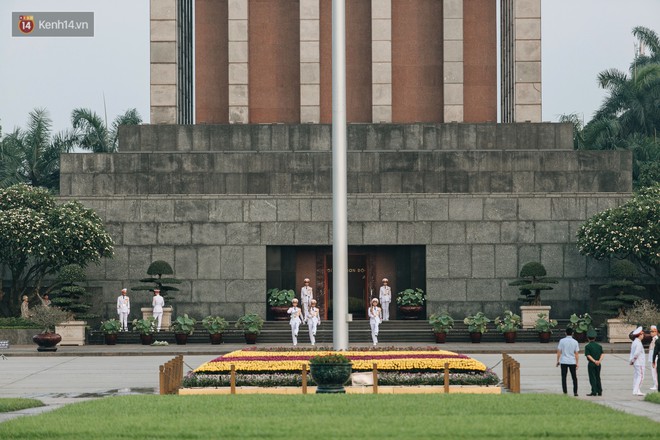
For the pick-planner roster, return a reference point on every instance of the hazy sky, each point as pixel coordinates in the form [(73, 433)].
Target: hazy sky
[(580, 39)]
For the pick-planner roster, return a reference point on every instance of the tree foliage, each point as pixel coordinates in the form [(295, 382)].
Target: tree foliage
[(32, 155), (532, 281), (630, 231), (93, 133), (39, 237), (629, 117)]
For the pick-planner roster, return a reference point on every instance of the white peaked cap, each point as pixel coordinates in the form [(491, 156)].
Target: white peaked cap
[(124, 289), (637, 331), (654, 327)]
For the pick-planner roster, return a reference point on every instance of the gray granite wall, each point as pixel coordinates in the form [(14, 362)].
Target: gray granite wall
[(232, 172), (475, 244), (318, 137)]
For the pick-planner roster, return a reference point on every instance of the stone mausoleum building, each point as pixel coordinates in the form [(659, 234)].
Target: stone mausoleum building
[(231, 182)]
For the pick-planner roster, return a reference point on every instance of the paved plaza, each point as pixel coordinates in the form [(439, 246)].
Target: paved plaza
[(73, 374)]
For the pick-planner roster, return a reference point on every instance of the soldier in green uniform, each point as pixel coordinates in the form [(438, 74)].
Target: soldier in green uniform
[(594, 352)]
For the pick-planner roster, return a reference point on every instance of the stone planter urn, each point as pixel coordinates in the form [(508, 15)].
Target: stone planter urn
[(47, 341), (544, 337), (510, 337), (440, 338), (72, 332), (618, 331), (279, 313), (147, 312), (475, 337), (215, 338), (146, 339), (530, 314), (410, 312), (331, 377)]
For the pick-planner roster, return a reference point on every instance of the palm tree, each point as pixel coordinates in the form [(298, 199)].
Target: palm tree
[(94, 134), (649, 39), (32, 155)]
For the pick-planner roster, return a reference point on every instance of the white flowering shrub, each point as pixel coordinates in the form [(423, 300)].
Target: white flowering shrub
[(631, 230), (38, 237)]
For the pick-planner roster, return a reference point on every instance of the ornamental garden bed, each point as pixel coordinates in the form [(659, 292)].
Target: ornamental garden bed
[(397, 367)]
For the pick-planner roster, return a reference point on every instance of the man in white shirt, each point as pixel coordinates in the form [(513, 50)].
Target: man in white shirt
[(637, 360), (157, 303), (567, 357)]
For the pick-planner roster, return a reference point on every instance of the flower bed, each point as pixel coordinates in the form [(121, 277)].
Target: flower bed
[(282, 367)]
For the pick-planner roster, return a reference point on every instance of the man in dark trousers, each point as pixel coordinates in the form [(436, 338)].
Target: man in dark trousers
[(568, 352), (594, 353)]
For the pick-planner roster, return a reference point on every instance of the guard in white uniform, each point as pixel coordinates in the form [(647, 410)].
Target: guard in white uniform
[(385, 296), (654, 371), (295, 318), (157, 303), (637, 360), (123, 309), (375, 318), (306, 295), (313, 320)]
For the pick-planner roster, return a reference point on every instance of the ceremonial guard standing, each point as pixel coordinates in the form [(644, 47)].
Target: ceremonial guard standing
[(385, 296), (637, 361), (654, 371), (306, 295), (375, 318), (313, 320), (594, 353), (158, 303), (123, 309), (294, 320)]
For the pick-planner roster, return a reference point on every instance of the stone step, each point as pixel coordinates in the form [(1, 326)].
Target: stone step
[(274, 332)]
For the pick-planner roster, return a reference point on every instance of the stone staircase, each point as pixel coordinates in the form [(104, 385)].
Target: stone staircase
[(279, 332)]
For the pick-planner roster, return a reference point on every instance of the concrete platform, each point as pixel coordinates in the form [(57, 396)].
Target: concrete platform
[(74, 374)]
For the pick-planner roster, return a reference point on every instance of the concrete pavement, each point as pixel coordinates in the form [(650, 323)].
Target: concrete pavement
[(73, 374)]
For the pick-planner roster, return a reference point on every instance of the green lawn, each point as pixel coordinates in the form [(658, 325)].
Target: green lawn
[(653, 397), (332, 416), (8, 404)]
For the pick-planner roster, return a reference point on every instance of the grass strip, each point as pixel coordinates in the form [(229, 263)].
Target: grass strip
[(9, 404), (652, 397), (510, 416)]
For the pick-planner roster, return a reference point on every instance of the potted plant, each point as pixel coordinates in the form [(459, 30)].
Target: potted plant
[(110, 329), (544, 327), (531, 282), (616, 297), (146, 328), (580, 325), (410, 302), (330, 372), (645, 313), (215, 325), (251, 323), (279, 302), (508, 325), (183, 326), (161, 275), (441, 322), (47, 317), (476, 326)]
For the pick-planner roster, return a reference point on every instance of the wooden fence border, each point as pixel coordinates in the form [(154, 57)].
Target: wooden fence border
[(511, 373), (171, 375)]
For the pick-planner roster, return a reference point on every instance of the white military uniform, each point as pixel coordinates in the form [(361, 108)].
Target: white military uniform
[(385, 296), (158, 302), (637, 360), (654, 371), (313, 320), (375, 314), (306, 295), (294, 322), (123, 310)]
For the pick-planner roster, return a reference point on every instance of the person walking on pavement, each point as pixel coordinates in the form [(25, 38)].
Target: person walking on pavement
[(654, 371), (594, 353), (375, 318), (637, 361), (385, 296), (294, 320), (313, 320), (123, 309), (568, 352), (158, 303)]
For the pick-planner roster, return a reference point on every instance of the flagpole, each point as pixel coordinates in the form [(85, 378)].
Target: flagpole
[(339, 197)]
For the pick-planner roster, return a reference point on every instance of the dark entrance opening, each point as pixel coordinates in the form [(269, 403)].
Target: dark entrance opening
[(404, 266)]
